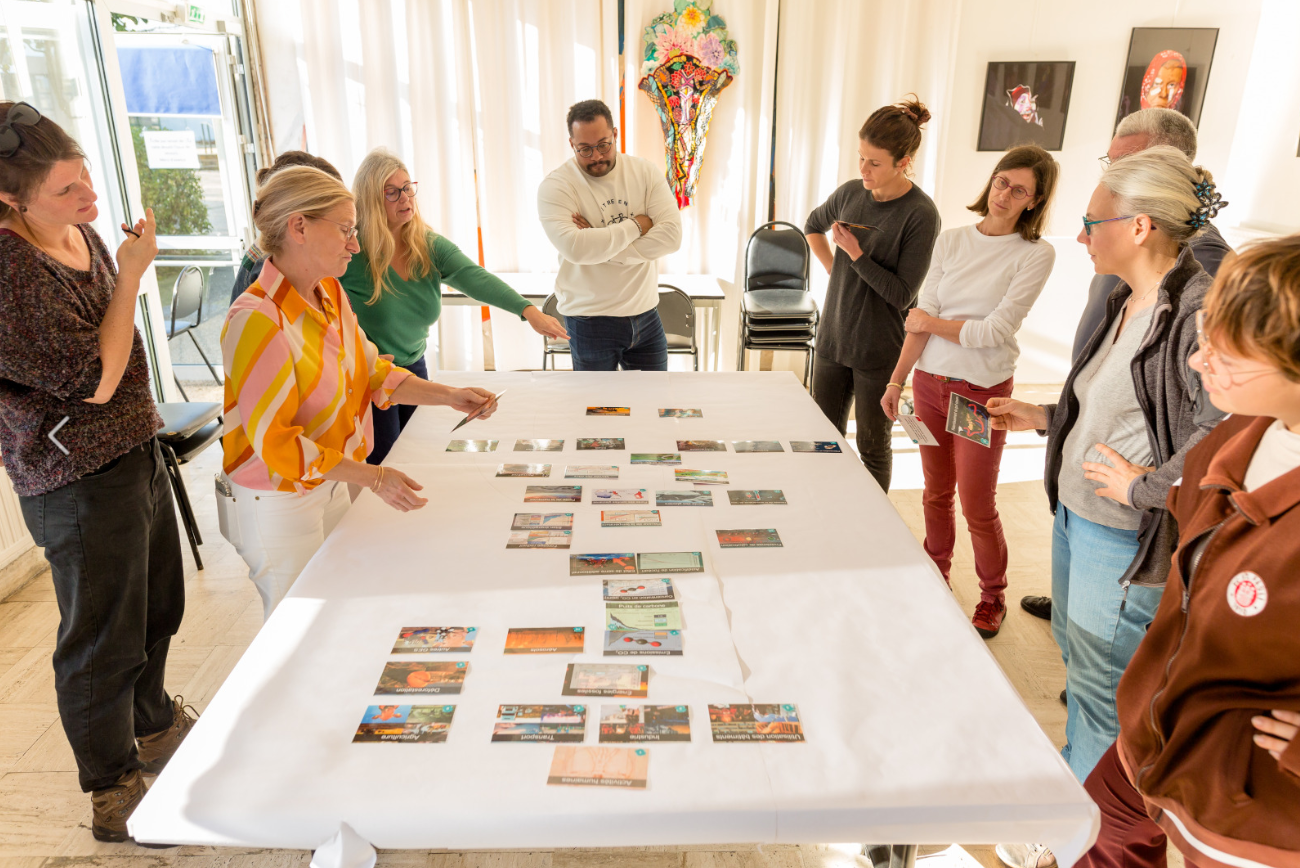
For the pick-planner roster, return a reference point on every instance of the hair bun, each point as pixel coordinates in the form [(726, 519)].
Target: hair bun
[(914, 109)]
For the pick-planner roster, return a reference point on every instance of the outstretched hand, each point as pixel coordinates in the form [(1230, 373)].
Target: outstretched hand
[(1008, 414)]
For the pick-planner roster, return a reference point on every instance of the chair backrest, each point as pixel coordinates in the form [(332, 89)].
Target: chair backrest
[(676, 312), (777, 257), (187, 297), (551, 307)]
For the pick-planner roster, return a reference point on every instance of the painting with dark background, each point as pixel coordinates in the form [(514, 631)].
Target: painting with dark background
[(1167, 67), (1025, 103)]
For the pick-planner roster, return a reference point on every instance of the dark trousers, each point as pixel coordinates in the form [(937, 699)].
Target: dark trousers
[(1129, 838), (606, 343), (388, 424), (115, 553), (835, 386)]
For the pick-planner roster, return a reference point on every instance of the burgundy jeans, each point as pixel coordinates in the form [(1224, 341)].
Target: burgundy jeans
[(961, 466), (1129, 838)]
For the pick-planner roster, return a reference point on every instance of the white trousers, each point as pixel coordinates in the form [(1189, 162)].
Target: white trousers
[(278, 532)]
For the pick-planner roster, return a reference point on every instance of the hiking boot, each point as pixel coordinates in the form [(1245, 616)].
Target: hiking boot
[(1025, 855), (988, 618), (1039, 607), (156, 749), (114, 806)]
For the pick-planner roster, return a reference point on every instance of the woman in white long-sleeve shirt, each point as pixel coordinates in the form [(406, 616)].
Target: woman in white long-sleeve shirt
[(961, 338)]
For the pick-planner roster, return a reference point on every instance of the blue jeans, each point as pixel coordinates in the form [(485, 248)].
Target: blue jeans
[(389, 423), (1097, 624), (606, 343)]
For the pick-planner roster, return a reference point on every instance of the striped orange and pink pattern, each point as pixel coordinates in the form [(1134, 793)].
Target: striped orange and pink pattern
[(299, 385)]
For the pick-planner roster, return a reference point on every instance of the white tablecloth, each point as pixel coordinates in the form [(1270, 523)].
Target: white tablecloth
[(913, 733)]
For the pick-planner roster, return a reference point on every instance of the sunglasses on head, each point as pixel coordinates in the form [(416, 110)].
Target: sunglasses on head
[(21, 114)]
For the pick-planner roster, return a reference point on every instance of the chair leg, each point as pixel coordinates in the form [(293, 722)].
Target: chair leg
[(211, 370), (695, 357), (179, 386), (183, 501)]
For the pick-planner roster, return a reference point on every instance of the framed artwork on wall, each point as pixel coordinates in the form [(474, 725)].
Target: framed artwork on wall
[(1025, 103), (1167, 67)]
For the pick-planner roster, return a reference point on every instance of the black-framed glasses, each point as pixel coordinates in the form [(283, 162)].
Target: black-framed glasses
[(349, 232), (21, 114), (1088, 224), (1017, 192), (602, 148), (410, 188)]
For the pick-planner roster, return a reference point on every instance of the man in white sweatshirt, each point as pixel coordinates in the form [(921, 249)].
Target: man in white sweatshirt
[(611, 216)]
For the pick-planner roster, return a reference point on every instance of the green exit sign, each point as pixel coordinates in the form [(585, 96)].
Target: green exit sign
[(194, 14)]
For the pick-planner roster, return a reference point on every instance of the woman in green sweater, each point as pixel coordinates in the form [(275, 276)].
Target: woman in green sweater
[(395, 282)]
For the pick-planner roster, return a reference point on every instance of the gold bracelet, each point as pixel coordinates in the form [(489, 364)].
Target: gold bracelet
[(899, 385), (379, 480)]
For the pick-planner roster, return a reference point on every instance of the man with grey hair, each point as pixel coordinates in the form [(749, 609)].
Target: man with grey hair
[(1137, 132)]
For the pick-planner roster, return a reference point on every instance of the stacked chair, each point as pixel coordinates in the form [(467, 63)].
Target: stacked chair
[(777, 312)]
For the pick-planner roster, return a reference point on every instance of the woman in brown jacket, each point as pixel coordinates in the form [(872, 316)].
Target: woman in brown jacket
[(1209, 708)]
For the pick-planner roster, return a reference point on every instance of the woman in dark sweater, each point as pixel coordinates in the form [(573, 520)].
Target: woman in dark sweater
[(98, 500), (884, 227)]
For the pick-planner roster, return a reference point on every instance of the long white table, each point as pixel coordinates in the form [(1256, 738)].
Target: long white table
[(913, 733)]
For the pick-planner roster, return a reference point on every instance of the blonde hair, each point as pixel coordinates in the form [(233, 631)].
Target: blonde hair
[(1163, 184), (295, 190), (372, 222), (1253, 308)]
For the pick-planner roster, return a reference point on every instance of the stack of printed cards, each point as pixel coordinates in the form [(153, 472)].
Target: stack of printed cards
[(553, 494), (684, 498), (422, 676), (539, 445), (523, 470), (405, 723), (436, 640), (630, 518), (540, 723), (814, 446), (472, 446), (680, 414), (600, 443), (591, 471), (619, 495), (584, 766), (755, 723), (638, 723), (756, 497), (544, 640), (606, 679), (662, 458), (756, 446), (749, 538)]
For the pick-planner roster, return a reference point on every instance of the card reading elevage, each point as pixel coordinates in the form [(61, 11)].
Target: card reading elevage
[(631, 615), (701, 446), (756, 497), (422, 676), (472, 446), (916, 430), (601, 443), (643, 643), (553, 494), (606, 679), (757, 446), (638, 589), (609, 411), (678, 413), (814, 446), (760, 538), (523, 470), (405, 723), (630, 518), (634, 723), (591, 471), (662, 458), (583, 766), (603, 564), (539, 445), (969, 420), (543, 521), (435, 640), (544, 640), (649, 563), (755, 723), (701, 477), (684, 498), (619, 495), (540, 723), (540, 539)]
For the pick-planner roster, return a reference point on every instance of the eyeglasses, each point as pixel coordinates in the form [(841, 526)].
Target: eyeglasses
[(1088, 224), (1017, 192), (1104, 159), (410, 188), (1216, 365), (349, 232), (20, 115), (602, 148)]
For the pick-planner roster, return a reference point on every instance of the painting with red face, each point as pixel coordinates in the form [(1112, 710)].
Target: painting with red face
[(1025, 103), (1167, 67)]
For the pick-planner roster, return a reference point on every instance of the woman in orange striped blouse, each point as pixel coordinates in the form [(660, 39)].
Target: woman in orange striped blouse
[(301, 379)]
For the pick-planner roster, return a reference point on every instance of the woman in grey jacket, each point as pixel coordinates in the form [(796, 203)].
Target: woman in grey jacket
[(1130, 410)]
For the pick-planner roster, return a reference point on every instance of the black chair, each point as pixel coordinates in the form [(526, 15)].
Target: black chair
[(188, 429), (776, 310), (676, 312), (187, 313)]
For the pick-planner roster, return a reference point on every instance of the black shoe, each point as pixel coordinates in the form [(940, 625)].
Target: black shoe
[(1039, 607), (1063, 702)]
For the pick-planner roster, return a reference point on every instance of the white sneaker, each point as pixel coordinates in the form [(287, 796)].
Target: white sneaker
[(1026, 855)]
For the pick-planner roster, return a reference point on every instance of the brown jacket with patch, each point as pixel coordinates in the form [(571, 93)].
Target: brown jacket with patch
[(1224, 647)]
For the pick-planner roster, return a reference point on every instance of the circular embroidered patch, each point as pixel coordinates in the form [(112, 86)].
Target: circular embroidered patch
[(1246, 594)]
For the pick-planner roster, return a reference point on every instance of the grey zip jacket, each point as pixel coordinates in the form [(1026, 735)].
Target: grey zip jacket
[(1177, 411)]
